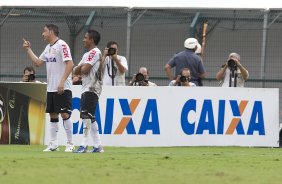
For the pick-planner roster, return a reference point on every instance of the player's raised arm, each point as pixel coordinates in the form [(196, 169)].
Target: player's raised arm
[(36, 61)]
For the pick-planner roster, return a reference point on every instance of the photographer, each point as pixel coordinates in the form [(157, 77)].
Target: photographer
[(232, 73), (187, 59), (141, 78), (29, 75), (114, 64), (183, 79)]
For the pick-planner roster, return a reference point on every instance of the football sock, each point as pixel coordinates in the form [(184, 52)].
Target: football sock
[(68, 128), (54, 131), (86, 130), (95, 134)]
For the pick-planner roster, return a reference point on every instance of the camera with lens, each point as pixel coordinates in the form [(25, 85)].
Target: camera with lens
[(183, 78), (112, 51), (31, 77), (231, 65), (140, 80), (139, 77)]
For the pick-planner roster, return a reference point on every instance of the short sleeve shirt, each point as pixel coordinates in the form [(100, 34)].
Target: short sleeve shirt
[(119, 79), (55, 56), (93, 80)]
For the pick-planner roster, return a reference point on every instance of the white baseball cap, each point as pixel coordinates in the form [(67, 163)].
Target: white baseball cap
[(199, 49), (190, 43)]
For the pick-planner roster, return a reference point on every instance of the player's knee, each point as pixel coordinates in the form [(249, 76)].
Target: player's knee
[(86, 115), (54, 115), (65, 111), (54, 120), (65, 116)]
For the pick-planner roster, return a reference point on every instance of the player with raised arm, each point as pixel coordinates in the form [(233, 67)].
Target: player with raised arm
[(59, 64)]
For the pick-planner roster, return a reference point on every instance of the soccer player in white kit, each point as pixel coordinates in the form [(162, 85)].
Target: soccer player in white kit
[(91, 71), (59, 66)]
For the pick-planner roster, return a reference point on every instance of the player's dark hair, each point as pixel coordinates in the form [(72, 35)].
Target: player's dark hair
[(95, 35), (54, 28)]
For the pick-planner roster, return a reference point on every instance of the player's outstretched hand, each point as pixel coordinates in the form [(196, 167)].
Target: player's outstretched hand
[(26, 44)]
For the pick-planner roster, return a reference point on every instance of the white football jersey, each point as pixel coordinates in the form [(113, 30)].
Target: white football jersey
[(55, 57), (93, 80)]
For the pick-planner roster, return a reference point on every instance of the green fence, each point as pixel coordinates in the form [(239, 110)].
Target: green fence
[(150, 38)]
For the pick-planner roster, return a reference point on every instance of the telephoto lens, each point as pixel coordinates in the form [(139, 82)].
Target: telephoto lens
[(232, 64), (139, 77)]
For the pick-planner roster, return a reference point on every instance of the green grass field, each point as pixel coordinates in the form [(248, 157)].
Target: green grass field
[(196, 165)]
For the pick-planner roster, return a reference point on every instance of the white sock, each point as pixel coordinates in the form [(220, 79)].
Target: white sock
[(86, 131), (68, 129), (54, 132), (95, 134)]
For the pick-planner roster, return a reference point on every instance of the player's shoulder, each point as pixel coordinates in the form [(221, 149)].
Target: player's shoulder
[(96, 49), (92, 54), (62, 42)]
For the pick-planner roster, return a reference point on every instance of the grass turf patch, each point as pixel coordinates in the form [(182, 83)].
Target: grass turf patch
[(28, 164)]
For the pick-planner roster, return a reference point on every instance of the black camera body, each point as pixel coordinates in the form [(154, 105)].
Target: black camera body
[(183, 78), (140, 80), (231, 65), (112, 51), (31, 77)]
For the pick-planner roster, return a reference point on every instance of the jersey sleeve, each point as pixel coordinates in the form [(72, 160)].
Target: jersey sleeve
[(92, 57), (42, 56), (65, 51)]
